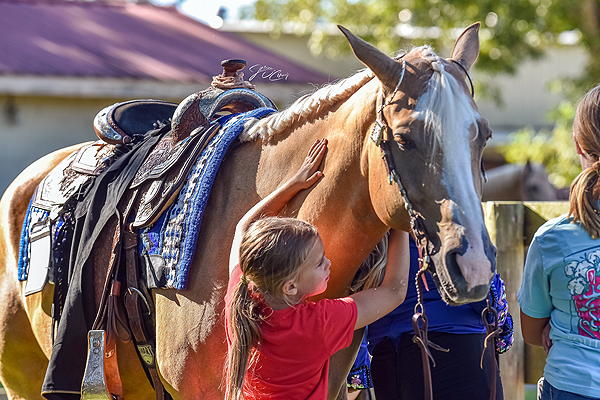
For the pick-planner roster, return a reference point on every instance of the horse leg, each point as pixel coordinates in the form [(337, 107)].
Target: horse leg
[(340, 365), (22, 361), (190, 343)]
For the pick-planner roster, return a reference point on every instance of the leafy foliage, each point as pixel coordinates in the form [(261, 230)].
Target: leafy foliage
[(554, 149), (513, 30)]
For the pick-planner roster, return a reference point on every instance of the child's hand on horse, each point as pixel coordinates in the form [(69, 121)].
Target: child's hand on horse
[(309, 173)]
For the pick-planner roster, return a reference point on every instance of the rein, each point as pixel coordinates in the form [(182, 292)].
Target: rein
[(379, 136)]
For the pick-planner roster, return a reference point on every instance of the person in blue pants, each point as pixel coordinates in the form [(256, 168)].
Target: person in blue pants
[(394, 367)]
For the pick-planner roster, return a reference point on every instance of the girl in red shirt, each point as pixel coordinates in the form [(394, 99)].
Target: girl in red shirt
[(280, 343)]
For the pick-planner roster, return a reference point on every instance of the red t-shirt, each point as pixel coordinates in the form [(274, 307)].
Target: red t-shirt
[(293, 360)]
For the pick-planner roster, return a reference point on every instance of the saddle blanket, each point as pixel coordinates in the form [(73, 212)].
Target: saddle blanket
[(173, 236), (64, 181)]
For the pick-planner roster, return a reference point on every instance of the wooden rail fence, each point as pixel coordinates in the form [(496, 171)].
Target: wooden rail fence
[(511, 226)]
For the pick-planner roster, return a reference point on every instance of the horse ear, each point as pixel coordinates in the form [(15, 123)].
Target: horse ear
[(466, 48), (383, 66)]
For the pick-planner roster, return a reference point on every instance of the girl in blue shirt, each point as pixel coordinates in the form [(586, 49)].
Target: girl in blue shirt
[(560, 290)]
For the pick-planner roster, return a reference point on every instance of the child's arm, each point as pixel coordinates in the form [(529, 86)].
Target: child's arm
[(307, 175), (374, 303), (532, 330)]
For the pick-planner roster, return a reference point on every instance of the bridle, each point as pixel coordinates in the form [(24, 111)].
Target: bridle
[(379, 135)]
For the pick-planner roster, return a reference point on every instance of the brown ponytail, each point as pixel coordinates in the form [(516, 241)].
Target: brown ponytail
[(244, 316), (271, 253), (585, 190)]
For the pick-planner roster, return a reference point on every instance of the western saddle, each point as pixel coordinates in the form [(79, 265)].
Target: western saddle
[(153, 188)]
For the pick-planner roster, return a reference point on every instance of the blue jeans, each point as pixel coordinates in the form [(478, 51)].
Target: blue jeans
[(549, 392)]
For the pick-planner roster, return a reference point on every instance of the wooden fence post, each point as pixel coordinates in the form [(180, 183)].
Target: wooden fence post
[(504, 221)]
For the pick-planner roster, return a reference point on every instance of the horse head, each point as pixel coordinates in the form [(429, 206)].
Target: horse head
[(536, 184), (433, 136), (519, 182)]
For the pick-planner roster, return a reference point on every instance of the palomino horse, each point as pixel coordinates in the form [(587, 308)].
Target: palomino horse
[(519, 182), (436, 138)]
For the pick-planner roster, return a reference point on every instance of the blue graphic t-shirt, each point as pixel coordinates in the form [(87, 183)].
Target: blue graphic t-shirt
[(561, 280)]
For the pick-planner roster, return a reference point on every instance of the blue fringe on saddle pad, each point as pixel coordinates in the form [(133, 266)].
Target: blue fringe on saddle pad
[(36, 215), (175, 233)]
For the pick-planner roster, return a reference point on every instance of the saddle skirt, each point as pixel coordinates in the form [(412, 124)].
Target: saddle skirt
[(64, 181), (174, 181)]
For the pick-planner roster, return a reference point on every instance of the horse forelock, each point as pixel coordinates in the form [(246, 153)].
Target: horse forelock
[(445, 108), (306, 108), (451, 122)]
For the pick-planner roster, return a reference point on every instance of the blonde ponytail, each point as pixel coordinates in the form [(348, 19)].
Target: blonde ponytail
[(585, 190), (244, 317), (271, 253)]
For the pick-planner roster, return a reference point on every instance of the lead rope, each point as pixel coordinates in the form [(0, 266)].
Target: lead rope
[(419, 319), (492, 335)]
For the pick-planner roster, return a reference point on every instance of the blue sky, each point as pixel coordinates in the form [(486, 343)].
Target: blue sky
[(206, 10)]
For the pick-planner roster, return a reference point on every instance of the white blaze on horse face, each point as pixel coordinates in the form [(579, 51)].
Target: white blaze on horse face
[(449, 116)]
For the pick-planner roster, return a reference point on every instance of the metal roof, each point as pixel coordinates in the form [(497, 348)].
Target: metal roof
[(126, 40)]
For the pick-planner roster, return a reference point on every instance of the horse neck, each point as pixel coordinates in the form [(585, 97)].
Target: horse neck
[(340, 204)]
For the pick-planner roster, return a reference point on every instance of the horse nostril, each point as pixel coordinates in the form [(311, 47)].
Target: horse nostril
[(467, 281)]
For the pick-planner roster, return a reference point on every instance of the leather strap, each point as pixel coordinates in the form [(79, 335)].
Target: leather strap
[(145, 344), (108, 317), (492, 333), (421, 340)]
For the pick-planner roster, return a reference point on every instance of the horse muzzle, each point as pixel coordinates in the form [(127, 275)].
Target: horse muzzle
[(465, 262), (464, 278)]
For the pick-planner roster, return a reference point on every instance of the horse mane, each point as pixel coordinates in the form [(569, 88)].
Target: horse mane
[(444, 107), (443, 100), (307, 107)]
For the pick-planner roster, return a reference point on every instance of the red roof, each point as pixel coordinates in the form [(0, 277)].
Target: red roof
[(125, 40)]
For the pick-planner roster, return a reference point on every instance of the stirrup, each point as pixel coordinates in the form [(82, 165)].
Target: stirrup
[(94, 385)]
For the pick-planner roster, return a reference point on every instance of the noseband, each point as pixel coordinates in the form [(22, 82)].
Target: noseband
[(379, 135)]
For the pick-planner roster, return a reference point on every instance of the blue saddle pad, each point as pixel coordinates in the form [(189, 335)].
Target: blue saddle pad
[(174, 235)]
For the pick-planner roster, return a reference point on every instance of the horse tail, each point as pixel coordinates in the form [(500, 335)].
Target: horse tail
[(244, 319), (585, 193)]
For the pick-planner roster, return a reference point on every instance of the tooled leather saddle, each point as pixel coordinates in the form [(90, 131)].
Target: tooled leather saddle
[(178, 133)]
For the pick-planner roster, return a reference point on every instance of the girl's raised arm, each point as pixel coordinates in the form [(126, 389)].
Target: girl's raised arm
[(375, 303), (307, 175)]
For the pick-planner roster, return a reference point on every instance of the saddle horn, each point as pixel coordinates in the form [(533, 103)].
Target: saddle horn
[(228, 92)]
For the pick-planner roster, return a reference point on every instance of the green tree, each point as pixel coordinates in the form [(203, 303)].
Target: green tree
[(513, 30)]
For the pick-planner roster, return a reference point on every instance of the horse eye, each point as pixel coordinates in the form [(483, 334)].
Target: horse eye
[(403, 141)]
